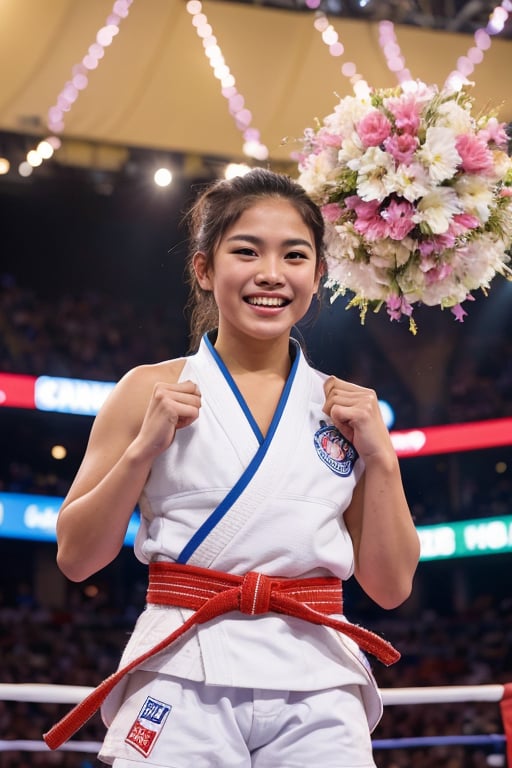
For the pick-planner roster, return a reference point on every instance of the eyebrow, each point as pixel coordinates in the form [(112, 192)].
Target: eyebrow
[(292, 241)]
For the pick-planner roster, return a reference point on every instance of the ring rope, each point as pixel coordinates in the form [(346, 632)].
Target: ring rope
[(489, 739), (93, 747), (32, 745), (72, 694)]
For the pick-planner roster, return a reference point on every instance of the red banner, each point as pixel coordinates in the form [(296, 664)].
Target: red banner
[(17, 391), (453, 437)]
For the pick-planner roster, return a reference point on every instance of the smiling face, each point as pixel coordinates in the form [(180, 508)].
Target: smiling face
[(264, 271)]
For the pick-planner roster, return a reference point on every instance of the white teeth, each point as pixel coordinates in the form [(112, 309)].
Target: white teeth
[(266, 301)]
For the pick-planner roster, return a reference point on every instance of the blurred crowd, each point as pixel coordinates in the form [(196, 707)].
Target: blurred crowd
[(98, 337), (90, 336)]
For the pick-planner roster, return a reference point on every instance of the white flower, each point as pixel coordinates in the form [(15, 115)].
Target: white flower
[(502, 165), (439, 154), (341, 241), (372, 183), (409, 181), (455, 117), (351, 152), (475, 196), (436, 210), (477, 263), (411, 282), (396, 253), (316, 170), (369, 281), (444, 293), (346, 114)]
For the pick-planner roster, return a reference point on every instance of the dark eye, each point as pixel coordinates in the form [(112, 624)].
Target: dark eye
[(245, 251), (296, 255)]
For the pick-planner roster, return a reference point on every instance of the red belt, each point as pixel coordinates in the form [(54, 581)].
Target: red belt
[(211, 594)]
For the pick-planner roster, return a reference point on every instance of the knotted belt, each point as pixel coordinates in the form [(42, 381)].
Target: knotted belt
[(213, 593)]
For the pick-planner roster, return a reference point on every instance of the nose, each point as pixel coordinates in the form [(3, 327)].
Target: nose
[(270, 271)]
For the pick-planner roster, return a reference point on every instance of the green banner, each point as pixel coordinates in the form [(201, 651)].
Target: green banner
[(482, 536)]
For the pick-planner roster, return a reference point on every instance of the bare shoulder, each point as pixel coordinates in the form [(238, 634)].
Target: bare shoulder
[(168, 371), (130, 397)]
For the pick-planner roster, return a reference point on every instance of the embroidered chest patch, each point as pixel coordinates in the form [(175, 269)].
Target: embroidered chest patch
[(146, 728), (335, 450)]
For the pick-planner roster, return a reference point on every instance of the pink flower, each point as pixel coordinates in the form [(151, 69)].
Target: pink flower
[(362, 208), (396, 306), (436, 274), (399, 216), (326, 139), (373, 229), (506, 192), (331, 212), (369, 222), (459, 313), (374, 128), (462, 222), (426, 247), (401, 147), (435, 245), (406, 113), (494, 133), (476, 157)]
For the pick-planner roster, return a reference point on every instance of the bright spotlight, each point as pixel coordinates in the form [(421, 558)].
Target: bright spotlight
[(4, 166), (162, 177), (59, 452)]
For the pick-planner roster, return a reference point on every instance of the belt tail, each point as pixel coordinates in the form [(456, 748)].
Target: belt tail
[(368, 641), (82, 712)]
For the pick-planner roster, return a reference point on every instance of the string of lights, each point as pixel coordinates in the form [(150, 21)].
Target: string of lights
[(252, 147), (72, 88), (393, 55)]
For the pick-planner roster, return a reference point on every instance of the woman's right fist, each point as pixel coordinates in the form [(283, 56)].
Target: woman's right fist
[(171, 407)]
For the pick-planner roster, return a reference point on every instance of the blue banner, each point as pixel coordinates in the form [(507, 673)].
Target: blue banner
[(27, 516)]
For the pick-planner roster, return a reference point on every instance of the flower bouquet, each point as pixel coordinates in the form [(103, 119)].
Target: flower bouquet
[(416, 193)]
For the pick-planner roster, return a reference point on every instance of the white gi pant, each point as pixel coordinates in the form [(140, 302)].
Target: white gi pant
[(176, 723)]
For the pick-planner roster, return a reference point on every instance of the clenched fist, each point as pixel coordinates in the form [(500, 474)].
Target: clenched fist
[(356, 413)]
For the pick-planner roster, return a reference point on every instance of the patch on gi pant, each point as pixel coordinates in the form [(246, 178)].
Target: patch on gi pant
[(146, 728), (335, 450)]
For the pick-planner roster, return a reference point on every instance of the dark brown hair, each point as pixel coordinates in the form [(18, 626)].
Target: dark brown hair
[(217, 209)]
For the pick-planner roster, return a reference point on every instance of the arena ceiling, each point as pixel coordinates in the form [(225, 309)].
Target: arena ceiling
[(155, 89)]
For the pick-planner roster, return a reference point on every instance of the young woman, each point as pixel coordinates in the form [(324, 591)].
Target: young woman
[(262, 484)]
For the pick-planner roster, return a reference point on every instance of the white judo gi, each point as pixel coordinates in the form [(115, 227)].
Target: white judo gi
[(225, 497)]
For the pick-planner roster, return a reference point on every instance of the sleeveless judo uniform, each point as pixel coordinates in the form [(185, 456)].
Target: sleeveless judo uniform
[(224, 497)]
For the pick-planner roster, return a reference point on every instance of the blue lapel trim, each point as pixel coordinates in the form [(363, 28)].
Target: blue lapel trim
[(246, 477), (234, 389)]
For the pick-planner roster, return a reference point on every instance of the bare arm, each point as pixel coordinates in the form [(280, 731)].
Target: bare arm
[(137, 422), (386, 544)]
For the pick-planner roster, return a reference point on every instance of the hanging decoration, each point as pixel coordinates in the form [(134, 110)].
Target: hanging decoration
[(78, 82), (252, 146), (80, 72), (414, 187)]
